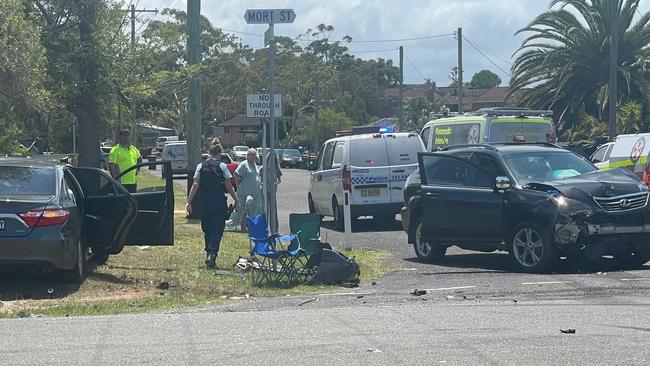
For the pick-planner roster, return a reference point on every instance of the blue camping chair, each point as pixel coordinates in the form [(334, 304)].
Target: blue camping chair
[(273, 261)]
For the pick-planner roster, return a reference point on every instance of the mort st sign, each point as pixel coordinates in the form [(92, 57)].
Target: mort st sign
[(269, 16)]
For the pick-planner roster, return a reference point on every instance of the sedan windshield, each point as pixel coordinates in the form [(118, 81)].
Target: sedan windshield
[(291, 153), (25, 181), (240, 148), (547, 166)]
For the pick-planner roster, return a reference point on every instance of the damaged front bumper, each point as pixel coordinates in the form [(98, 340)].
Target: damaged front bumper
[(572, 234)]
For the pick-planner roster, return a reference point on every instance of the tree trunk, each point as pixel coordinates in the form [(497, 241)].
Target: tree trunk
[(85, 106)]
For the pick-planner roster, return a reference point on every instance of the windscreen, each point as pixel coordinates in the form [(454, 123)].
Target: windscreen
[(26, 181), (529, 130), (291, 153), (546, 166), (240, 148)]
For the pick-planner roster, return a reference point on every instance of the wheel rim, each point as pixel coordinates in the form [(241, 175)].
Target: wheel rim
[(528, 247), (423, 248)]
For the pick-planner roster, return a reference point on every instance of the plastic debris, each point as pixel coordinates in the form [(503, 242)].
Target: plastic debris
[(373, 350), (308, 301), (568, 331), (50, 291), (417, 292)]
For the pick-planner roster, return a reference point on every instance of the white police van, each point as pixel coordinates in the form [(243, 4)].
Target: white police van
[(373, 166)]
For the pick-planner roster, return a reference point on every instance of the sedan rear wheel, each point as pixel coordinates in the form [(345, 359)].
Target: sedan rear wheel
[(426, 250), (531, 249), (78, 273)]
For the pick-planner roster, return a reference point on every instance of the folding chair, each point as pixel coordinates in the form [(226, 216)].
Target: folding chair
[(307, 228), (272, 264)]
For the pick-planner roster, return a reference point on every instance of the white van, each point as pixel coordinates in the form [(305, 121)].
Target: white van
[(629, 152), (373, 166), (176, 153), (162, 140)]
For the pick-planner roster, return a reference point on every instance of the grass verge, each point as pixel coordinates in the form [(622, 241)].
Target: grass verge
[(143, 279)]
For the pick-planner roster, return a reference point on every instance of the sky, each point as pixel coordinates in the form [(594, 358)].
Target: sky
[(489, 25)]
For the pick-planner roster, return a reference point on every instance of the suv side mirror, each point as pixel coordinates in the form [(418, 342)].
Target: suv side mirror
[(502, 183)]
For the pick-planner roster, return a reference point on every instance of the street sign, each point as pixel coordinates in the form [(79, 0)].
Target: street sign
[(269, 16), (258, 105)]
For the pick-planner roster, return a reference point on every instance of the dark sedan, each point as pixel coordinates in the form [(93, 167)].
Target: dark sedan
[(56, 217)]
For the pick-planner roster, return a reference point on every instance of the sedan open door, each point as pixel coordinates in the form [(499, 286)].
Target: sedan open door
[(154, 222)]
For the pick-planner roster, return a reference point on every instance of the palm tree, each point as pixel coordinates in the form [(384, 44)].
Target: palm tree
[(564, 63)]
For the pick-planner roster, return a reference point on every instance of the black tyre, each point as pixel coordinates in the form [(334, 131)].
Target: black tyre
[(310, 202), (339, 222), (427, 251), (633, 260), (78, 273), (531, 248), (100, 258)]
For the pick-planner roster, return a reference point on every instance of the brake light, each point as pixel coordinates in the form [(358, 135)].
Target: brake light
[(347, 180), (45, 218), (646, 177), (376, 135)]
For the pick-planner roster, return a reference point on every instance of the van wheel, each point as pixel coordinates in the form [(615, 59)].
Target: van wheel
[(426, 251), (339, 222), (78, 273), (310, 202), (531, 248)]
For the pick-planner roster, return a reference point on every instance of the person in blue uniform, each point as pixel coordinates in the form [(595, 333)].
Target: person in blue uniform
[(211, 183)]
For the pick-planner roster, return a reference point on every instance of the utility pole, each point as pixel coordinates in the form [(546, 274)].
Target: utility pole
[(459, 77), (401, 88), (273, 203), (193, 122), (316, 111), (613, 70), (132, 10)]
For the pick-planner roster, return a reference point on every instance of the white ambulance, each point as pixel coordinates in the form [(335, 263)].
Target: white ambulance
[(373, 166), (628, 151)]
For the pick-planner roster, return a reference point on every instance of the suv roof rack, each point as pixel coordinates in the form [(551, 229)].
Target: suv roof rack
[(511, 111), (463, 146)]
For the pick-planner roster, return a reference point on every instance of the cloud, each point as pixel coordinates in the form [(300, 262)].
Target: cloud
[(490, 24)]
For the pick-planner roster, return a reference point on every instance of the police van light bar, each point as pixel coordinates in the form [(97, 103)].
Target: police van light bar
[(365, 130)]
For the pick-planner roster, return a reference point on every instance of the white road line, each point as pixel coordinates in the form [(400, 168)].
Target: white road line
[(634, 279), (449, 288), (545, 283)]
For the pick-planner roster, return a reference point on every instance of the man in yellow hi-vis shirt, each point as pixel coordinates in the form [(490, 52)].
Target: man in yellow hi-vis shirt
[(122, 157)]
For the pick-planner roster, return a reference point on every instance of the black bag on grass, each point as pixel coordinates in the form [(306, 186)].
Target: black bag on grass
[(335, 268)]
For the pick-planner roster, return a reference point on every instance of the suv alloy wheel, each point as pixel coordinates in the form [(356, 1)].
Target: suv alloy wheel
[(531, 248), (426, 251)]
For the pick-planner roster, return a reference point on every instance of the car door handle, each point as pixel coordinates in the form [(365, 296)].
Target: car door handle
[(432, 194), (397, 188), (399, 171)]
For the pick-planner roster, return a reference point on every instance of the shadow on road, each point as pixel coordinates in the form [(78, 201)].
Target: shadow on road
[(500, 262), (367, 225)]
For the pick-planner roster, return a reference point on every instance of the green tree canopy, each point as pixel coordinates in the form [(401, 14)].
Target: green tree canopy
[(485, 79)]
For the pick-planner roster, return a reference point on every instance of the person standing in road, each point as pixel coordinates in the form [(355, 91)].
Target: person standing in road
[(249, 184), (122, 157), (211, 182)]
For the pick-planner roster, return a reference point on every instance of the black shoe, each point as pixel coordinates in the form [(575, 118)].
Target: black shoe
[(211, 260)]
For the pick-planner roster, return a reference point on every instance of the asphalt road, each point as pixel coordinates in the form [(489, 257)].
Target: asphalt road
[(476, 310)]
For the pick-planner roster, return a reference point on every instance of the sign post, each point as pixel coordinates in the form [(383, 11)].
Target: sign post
[(270, 17)]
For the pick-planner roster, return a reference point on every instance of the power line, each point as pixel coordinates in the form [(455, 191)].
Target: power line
[(416, 68), (372, 51), (486, 57), (492, 54), (239, 32), (385, 40)]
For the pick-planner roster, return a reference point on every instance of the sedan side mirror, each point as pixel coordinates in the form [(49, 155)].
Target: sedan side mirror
[(502, 183)]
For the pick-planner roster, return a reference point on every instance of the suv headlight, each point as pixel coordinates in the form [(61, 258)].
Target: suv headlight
[(572, 208)]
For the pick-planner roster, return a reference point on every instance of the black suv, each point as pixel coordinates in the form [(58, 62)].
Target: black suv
[(537, 201)]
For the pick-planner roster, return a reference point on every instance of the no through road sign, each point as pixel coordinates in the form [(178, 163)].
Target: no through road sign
[(258, 105)]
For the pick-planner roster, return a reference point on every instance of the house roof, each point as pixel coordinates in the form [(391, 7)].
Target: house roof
[(241, 120)]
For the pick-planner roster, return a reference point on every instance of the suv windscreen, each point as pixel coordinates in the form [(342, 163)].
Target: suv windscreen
[(546, 166), (291, 153)]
